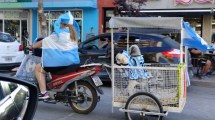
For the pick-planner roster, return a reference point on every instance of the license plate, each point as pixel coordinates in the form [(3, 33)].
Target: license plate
[(97, 81), (8, 59)]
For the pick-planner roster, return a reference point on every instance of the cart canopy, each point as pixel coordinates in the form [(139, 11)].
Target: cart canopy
[(147, 22)]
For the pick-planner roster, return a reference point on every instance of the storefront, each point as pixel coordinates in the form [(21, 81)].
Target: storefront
[(199, 13), (51, 17), (23, 14), (84, 12), (15, 22), (106, 11)]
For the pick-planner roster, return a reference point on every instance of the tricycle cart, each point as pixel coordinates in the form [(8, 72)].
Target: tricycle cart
[(163, 91)]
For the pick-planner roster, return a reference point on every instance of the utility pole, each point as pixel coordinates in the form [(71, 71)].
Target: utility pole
[(42, 18)]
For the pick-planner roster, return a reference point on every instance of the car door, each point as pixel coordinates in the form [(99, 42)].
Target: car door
[(8, 110), (95, 48)]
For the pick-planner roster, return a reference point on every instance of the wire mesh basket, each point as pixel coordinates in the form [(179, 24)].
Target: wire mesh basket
[(162, 81)]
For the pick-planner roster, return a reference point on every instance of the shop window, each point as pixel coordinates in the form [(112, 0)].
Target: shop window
[(14, 22), (52, 16), (13, 27), (195, 22), (108, 13)]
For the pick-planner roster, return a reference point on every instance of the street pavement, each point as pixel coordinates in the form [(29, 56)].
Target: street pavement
[(200, 106), (206, 82)]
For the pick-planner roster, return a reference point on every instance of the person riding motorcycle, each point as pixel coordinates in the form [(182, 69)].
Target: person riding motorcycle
[(59, 50)]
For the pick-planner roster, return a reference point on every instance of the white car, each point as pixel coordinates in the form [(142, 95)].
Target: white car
[(11, 52)]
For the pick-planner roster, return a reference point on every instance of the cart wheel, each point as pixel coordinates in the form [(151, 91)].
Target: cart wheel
[(144, 102)]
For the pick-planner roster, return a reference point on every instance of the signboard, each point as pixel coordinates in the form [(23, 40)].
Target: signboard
[(15, 14), (188, 2)]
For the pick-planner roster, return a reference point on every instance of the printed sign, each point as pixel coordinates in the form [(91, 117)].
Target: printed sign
[(188, 2)]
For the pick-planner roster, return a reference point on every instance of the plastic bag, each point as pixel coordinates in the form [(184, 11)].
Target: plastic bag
[(26, 69)]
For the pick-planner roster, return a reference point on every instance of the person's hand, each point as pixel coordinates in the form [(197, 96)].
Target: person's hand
[(30, 47)]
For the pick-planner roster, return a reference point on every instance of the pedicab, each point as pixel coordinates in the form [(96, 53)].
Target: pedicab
[(162, 87)]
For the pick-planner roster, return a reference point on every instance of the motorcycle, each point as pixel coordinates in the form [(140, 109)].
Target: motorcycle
[(77, 85)]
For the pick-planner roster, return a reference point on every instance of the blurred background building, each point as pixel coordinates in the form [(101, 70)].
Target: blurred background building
[(17, 16)]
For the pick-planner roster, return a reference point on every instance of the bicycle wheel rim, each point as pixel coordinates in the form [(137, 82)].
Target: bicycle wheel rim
[(144, 102)]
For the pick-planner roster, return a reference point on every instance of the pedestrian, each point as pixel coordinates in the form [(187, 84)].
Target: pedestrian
[(91, 33), (197, 60)]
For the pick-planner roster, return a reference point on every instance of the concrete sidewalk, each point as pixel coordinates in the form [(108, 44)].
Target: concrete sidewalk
[(206, 82)]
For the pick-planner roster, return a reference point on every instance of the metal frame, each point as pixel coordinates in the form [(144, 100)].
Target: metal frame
[(181, 82)]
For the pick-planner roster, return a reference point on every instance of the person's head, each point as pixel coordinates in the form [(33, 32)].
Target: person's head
[(66, 21), (73, 35)]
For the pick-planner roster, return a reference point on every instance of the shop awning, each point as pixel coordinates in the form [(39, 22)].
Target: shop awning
[(146, 22), (60, 4)]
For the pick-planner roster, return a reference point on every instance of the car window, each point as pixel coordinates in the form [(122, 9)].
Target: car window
[(147, 42), (140, 41), (99, 43), (6, 38), (122, 42)]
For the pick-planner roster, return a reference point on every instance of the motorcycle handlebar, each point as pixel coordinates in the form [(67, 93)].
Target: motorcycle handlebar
[(27, 50)]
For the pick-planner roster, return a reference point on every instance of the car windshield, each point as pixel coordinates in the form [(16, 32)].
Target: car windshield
[(6, 38)]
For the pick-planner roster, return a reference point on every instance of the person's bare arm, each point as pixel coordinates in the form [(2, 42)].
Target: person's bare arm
[(36, 45), (196, 51)]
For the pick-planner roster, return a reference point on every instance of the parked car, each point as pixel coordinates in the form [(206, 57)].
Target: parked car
[(155, 48), (18, 99), (11, 52)]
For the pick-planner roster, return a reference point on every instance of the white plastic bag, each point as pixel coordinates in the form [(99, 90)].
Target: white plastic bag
[(26, 69)]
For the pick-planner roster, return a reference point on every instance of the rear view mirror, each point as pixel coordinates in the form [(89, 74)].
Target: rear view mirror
[(18, 99)]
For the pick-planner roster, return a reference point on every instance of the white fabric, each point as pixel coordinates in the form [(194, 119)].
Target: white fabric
[(146, 22), (61, 42), (59, 50)]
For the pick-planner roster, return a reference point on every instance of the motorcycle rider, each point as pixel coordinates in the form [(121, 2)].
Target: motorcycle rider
[(59, 50)]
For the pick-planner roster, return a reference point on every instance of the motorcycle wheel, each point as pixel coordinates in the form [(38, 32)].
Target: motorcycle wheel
[(87, 98)]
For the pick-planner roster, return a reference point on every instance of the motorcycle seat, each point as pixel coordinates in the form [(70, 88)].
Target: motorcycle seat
[(68, 69)]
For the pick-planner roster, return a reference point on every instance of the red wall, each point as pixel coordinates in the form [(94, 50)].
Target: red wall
[(103, 4)]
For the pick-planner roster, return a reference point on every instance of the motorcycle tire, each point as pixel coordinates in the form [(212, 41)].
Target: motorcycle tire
[(83, 97)]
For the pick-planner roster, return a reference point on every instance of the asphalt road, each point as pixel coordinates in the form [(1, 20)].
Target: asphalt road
[(200, 106)]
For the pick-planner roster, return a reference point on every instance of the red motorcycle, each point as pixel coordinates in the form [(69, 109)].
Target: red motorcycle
[(77, 85)]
